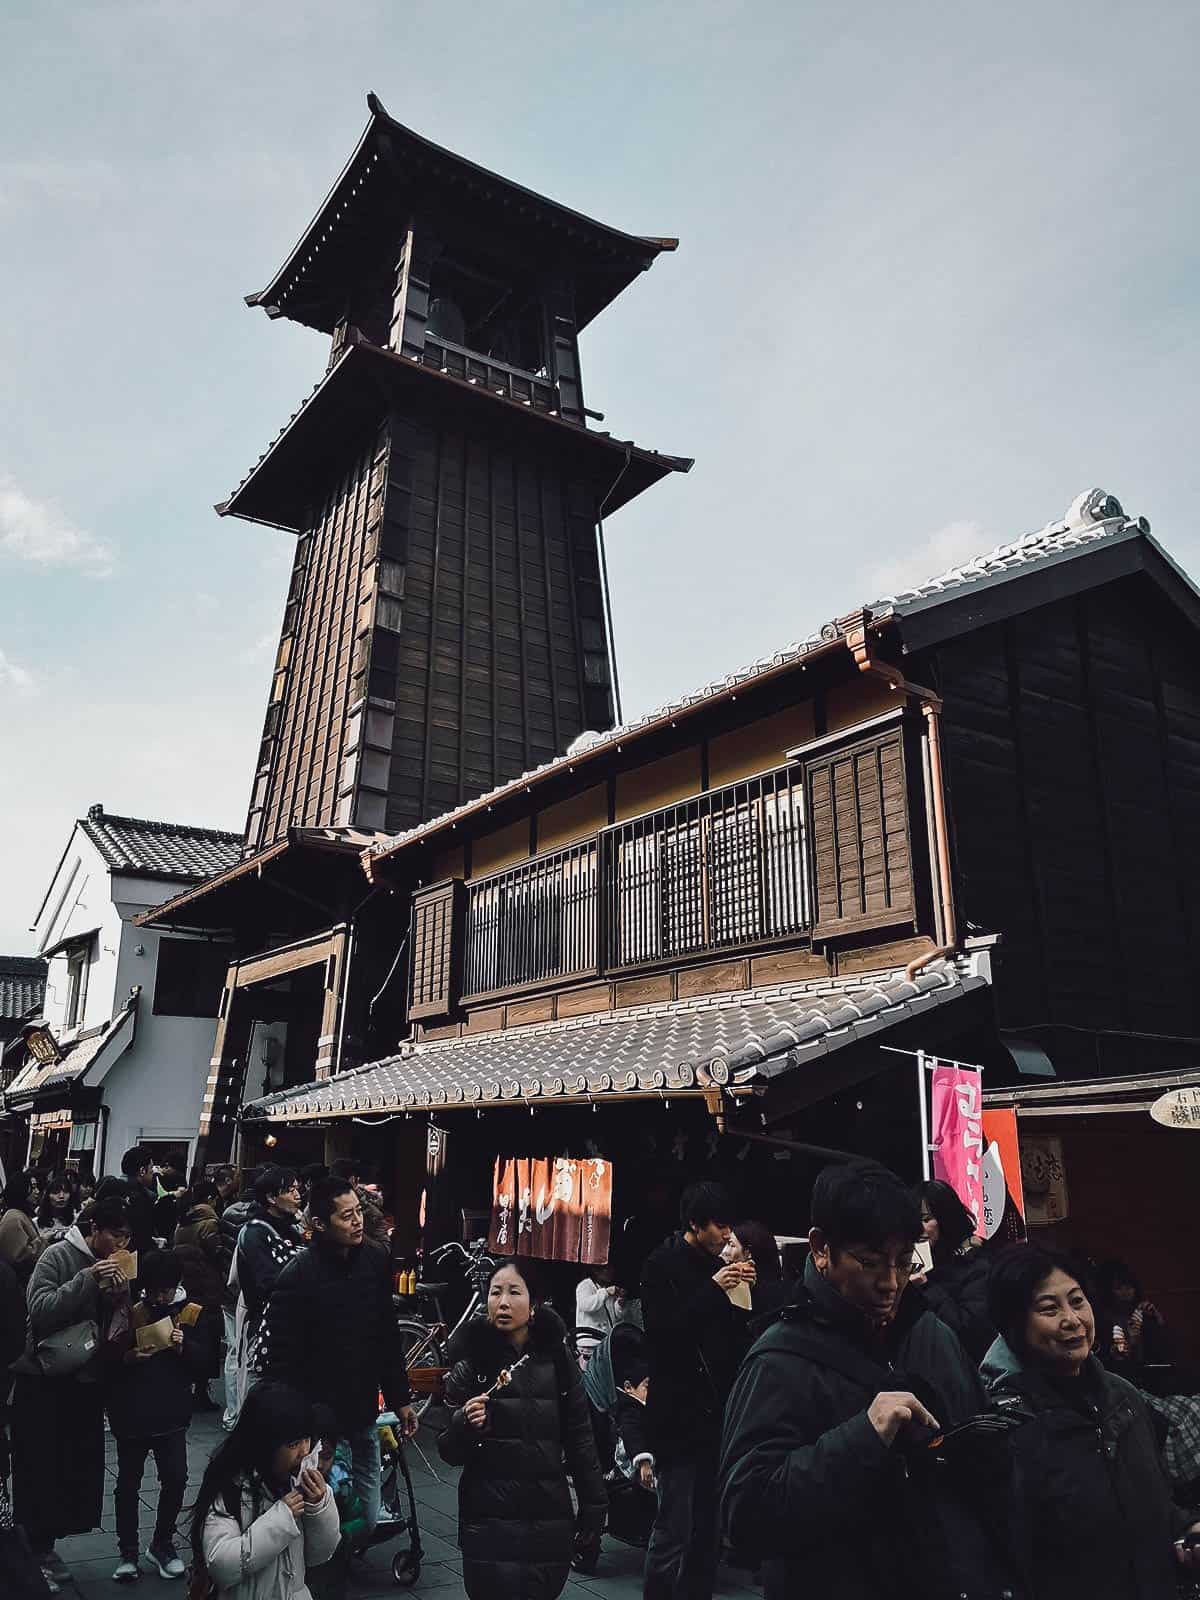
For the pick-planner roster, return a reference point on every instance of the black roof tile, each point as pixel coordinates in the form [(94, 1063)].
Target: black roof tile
[(160, 849), (22, 985)]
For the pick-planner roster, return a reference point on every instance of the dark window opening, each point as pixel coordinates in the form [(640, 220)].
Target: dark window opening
[(190, 978), (487, 314)]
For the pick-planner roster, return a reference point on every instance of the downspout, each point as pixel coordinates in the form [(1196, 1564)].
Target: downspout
[(858, 642)]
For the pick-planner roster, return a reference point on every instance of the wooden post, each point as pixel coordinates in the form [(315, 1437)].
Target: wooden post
[(230, 1044), (331, 1007)]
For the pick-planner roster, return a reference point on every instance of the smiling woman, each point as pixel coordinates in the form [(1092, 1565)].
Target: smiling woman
[(1100, 1521)]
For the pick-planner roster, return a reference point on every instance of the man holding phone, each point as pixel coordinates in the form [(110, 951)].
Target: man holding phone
[(824, 1454)]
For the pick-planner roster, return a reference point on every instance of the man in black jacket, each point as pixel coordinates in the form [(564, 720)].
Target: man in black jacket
[(331, 1332), (140, 1193), (268, 1240), (826, 1472), (696, 1337)]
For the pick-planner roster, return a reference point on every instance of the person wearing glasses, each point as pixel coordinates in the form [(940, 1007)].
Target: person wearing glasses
[(268, 1240), (830, 1418)]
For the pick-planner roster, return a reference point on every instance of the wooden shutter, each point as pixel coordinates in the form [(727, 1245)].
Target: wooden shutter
[(434, 935), (858, 819)]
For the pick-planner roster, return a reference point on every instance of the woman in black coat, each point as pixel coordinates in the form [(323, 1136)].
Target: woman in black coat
[(518, 1424), (956, 1289), (1094, 1509)]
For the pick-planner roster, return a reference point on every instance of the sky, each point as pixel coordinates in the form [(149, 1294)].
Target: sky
[(937, 274)]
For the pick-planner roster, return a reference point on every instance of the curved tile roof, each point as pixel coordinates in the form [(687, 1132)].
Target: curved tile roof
[(740, 1040), (160, 849)]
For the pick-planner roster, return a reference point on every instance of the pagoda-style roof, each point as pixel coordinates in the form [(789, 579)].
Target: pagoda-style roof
[(393, 172), (354, 393)]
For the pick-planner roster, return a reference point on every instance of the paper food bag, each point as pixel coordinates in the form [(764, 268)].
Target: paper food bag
[(127, 1261), (739, 1296), (190, 1315), (156, 1335)]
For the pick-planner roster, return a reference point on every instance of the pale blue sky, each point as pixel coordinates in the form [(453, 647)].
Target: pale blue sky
[(937, 274)]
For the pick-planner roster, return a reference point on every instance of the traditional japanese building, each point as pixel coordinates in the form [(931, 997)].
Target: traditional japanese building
[(447, 626), (962, 819)]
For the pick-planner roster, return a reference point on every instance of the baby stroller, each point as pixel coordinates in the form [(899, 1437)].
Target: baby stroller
[(616, 1367), (396, 1514)]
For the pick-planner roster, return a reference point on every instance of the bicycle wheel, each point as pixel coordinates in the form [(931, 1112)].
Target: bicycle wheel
[(425, 1358)]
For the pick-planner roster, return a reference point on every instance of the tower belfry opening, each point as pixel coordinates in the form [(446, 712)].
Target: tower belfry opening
[(445, 627)]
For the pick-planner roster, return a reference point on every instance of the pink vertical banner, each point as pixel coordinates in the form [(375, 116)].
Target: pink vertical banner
[(956, 1133)]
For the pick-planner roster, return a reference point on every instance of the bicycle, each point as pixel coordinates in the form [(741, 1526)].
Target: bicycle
[(426, 1343)]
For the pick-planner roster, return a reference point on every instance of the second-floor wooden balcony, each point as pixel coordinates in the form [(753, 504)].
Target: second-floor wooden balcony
[(719, 871), (817, 848)]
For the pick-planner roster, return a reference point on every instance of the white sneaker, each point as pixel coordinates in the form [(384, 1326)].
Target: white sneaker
[(52, 1584), (126, 1571), (165, 1562)]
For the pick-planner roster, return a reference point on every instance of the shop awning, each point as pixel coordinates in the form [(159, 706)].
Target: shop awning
[(1090, 1097), (84, 1060), (740, 1043)]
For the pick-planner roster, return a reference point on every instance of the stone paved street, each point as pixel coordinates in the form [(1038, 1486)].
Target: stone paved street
[(92, 1556)]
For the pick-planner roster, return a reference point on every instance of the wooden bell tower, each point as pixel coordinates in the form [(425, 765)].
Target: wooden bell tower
[(446, 623)]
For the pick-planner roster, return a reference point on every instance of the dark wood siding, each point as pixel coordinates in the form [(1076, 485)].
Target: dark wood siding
[(302, 757), (502, 660), (858, 821), (1073, 754), (432, 969), (444, 633)]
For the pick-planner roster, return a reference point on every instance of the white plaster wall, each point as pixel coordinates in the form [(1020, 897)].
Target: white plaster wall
[(80, 899), (155, 1089)]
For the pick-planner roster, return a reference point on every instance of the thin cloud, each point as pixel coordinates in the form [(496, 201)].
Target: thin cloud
[(945, 548), (42, 180), (261, 650), (38, 532), (14, 677)]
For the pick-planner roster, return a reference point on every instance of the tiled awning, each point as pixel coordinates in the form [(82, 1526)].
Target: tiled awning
[(739, 1042), (86, 1058)]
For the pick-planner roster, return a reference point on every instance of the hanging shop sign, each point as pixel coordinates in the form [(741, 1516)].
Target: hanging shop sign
[(956, 1133), (1003, 1191), (42, 1045), (558, 1208), (1178, 1108), (1044, 1177)]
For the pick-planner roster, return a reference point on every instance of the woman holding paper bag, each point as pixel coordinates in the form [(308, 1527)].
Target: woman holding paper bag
[(77, 1290)]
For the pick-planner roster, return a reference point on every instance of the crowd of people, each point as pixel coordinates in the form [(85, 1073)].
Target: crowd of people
[(876, 1426)]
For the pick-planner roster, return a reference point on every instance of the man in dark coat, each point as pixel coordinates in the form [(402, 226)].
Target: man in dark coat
[(269, 1239), (137, 1188), (331, 1332), (696, 1336), (825, 1472)]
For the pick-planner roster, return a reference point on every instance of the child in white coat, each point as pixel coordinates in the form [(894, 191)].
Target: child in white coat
[(263, 1515)]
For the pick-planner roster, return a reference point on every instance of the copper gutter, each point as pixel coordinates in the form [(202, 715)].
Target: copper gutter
[(857, 630)]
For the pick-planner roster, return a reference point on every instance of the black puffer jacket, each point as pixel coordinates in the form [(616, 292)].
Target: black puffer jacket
[(1096, 1510), (809, 1488), (331, 1332), (957, 1292), (516, 1525), (696, 1338)]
